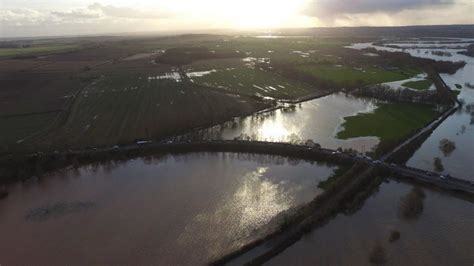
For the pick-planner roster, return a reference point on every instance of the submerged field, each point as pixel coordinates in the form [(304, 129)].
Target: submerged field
[(243, 77), (164, 208), (420, 85), (356, 76), (434, 235), (142, 206)]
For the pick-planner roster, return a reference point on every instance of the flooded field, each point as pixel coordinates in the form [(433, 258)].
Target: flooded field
[(182, 209), (319, 120), (459, 127), (440, 234)]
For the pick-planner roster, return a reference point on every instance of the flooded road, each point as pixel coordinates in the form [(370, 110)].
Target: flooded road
[(181, 209), (319, 120), (459, 127), (441, 234)]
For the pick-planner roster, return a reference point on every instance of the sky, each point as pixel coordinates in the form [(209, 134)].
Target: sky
[(19, 18)]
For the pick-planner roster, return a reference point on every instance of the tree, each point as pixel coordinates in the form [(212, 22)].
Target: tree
[(411, 205), (447, 146), (3, 193), (394, 236), (378, 255), (438, 165), (310, 143)]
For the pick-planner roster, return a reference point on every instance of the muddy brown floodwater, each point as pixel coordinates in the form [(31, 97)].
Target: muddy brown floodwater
[(172, 210), (442, 233), (319, 120)]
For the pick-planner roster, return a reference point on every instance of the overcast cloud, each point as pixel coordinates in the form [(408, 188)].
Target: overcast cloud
[(52, 17)]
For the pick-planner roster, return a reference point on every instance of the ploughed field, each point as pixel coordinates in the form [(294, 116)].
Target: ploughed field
[(109, 91)]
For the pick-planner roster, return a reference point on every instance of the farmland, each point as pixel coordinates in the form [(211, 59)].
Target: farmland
[(36, 50), (124, 109), (106, 91), (237, 77), (236, 132), (352, 76)]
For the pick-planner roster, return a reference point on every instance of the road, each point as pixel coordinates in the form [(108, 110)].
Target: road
[(292, 150), (430, 127)]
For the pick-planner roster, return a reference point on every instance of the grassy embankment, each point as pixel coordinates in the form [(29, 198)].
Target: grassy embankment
[(390, 122), (332, 180), (420, 85)]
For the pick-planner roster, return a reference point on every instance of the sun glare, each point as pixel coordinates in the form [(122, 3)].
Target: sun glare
[(273, 131)]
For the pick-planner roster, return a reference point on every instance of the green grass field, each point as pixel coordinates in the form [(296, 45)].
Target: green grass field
[(350, 76), (38, 50), (390, 122), (420, 85)]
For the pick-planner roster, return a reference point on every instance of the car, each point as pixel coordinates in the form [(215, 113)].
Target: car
[(377, 162), (428, 173), (393, 165), (443, 177)]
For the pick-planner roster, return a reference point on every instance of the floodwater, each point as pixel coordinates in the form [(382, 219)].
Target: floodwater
[(459, 127), (168, 210), (441, 235), (396, 85), (319, 120)]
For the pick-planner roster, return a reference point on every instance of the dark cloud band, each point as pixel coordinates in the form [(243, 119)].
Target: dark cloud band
[(327, 8)]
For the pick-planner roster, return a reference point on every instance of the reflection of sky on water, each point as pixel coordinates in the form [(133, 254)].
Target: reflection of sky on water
[(442, 235), (319, 120), (174, 210), (254, 203)]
